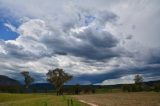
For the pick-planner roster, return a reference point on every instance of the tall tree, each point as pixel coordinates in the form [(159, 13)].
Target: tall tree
[(28, 79), (58, 77), (138, 79), (138, 86)]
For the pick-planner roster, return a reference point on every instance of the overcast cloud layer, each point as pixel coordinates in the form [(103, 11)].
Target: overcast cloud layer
[(97, 41)]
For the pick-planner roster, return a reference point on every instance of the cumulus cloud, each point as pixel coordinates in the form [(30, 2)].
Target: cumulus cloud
[(94, 43)]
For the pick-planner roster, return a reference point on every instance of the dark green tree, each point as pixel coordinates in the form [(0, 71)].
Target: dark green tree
[(58, 77), (138, 79), (157, 87), (28, 79), (77, 89), (138, 86)]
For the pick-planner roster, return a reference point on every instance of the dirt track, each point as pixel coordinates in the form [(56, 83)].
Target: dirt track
[(91, 104)]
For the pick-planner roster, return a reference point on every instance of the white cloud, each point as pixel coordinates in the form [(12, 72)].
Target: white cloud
[(35, 28), (11, 27), (81, 38), (122, 80)]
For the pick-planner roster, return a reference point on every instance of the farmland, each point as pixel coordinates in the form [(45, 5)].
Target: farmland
[(123, 99), (105, 99)]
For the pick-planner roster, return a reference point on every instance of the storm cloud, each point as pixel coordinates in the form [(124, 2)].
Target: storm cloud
[(103, 41)]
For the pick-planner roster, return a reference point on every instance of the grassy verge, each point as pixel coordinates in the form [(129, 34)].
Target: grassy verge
[(36, 100)]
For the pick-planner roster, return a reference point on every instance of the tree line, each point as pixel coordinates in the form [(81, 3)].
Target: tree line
[(57, 77), (139, 86)]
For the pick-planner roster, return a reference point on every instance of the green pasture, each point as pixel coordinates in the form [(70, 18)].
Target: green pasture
[(37, 100)]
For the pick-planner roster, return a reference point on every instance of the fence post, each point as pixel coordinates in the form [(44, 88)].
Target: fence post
[(45, 103), (67, 102), (71, 102)]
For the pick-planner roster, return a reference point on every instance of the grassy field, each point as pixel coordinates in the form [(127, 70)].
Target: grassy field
[(35, 100), (108, 99), (123, 99)]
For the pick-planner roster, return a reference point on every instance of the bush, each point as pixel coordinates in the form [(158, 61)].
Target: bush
[(132, 88), (157, 87), (10, 89)]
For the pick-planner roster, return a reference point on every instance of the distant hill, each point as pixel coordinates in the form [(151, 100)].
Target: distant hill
[(42, 86), (50, 86), (150, 83), (6, 81), (119, 86)]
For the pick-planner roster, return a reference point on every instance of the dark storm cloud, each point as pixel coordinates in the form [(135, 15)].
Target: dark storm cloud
[(15, 51), (154, 57), (97, 38), (82, 38), (148, 71), (94, 44), (91, 43), (18, 51)]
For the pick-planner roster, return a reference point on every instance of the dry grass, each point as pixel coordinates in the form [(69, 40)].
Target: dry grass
[(123, 99)]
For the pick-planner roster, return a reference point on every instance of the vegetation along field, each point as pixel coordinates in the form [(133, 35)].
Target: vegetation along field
[(36, 100), (123, 99)]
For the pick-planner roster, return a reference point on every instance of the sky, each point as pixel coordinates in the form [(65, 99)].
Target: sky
[(97, 41)]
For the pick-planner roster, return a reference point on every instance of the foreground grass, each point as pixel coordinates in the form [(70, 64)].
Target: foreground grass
[(123, 99), (35, 100)]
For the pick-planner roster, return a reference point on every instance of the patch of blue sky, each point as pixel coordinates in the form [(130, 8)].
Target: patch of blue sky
[(89, 19), (5, 32)]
